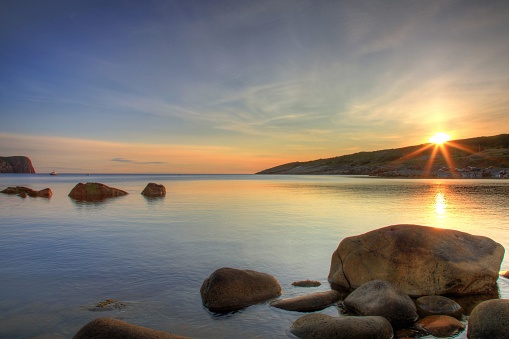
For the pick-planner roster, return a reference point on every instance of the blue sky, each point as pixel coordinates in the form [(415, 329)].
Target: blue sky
[(239, 86)]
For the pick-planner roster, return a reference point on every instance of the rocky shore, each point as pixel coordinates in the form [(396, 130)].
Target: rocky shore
[(381, 282)]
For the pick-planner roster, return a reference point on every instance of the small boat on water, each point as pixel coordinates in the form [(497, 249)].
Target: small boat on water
[(53, 173)]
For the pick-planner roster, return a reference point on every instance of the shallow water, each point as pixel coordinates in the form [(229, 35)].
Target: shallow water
[(59, 257)]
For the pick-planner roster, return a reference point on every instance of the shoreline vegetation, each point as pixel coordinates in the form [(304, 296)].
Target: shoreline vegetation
[(474, 158)]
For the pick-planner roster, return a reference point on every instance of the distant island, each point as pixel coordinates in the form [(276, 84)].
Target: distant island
[(481, 157), (16, 164)]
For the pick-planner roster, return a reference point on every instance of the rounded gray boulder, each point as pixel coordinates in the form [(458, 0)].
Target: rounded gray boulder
[(230, 289), (381, 298), (317, 325), (489, 319)]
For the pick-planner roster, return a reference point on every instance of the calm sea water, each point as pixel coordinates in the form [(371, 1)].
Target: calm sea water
[(59, 257)]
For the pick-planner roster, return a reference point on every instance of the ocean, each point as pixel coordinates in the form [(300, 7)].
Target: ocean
[(59, 257)]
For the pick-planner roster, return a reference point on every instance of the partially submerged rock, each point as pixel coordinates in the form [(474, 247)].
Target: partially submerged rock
[(108, 305), (419, 260), (306, 283), (382, 298), (308, 303), (116, 329), (317, 325), (489, 319), (230, 289), (25, 191), (153, 190), (94, 191), (442, 326), (437, 305)]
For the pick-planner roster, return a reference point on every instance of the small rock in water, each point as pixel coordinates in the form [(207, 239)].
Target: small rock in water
[(308, 303), (437, 305), (108, 305), (306, 283), (441, 326), (230, 289), (153, 190)]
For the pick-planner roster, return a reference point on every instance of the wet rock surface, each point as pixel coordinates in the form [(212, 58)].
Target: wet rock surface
[(308, 303), (437, 305)]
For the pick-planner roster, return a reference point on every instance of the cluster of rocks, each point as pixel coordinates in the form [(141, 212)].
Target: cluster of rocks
[(386, 283), (394, 279), (89, 192), (25, 191)]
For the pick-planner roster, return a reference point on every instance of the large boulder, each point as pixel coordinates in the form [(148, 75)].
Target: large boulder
[(489, 319), (94, 191), (419, 260), (230, 289), (317, 325), (153, 190), (308, 303), (381, 298), (116, 329)]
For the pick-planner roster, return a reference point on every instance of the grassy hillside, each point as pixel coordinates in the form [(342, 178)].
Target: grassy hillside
[(486, 154)]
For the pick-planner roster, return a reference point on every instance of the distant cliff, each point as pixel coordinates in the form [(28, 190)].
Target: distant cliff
[(487, 153), (17, 164)]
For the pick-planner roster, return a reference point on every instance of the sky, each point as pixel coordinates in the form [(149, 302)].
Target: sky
[(239, 86)]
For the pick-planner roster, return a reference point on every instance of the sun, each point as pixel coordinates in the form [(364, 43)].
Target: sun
[(440, 138)]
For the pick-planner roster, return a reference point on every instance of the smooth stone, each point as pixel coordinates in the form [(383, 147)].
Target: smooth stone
[(489, 319), (116, 329), (420, 260), (437, 305), (308, 303), (306, 283), (381, 298), (441, 326), (230, 289), (317, 325)]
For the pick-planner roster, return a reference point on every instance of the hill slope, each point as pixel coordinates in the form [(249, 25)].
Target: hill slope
[(485, 155)]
